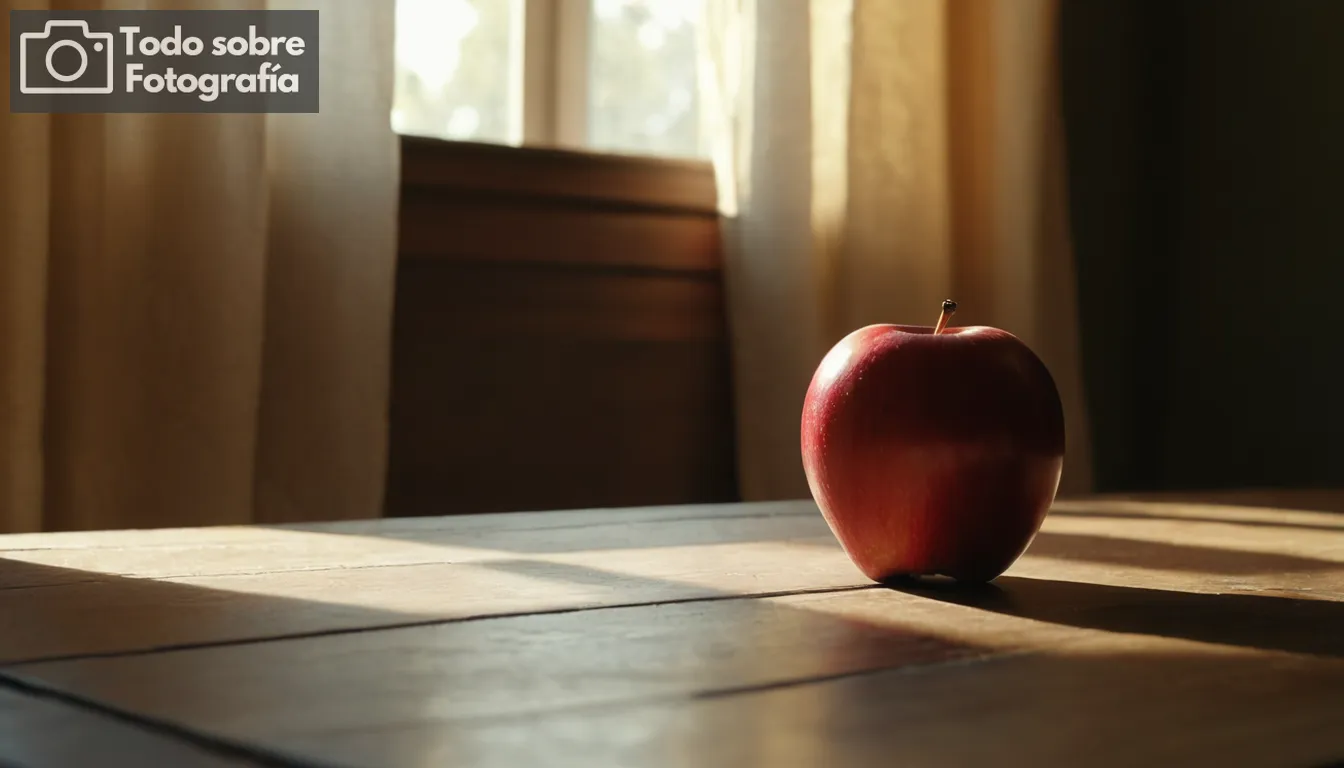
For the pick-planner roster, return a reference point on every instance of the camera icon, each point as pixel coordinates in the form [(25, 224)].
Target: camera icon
[(39, 72)]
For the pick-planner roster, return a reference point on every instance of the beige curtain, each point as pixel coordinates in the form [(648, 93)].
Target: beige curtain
[(195, 309), (875, 157)]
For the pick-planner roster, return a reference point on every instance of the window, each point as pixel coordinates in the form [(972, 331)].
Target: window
[(608, 75), (455, 62)]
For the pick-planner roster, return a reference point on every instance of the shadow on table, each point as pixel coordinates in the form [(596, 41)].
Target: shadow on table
[(54, 612), (1161, 555), (49, 612), (1120, 514), (57, 614), (1247, 620), (507, 685), (1299, 499)]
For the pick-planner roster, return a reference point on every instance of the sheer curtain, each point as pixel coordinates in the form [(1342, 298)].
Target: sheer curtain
[(875, 157), (195, 309)]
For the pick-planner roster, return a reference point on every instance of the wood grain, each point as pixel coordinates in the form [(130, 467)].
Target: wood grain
[(530, 232), (685, 186), (548, 389), (714, 681), (560, 338), (36, 730), (87, 593), (566, 308), (1105, 707), (86, 613), (1133, 632)]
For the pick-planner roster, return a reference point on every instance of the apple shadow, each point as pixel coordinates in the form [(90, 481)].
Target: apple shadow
[(1193, 558), (1115, 514), (1246, 620), (1323, 499)]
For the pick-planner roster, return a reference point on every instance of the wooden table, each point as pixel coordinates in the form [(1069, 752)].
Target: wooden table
[(1136, 632)]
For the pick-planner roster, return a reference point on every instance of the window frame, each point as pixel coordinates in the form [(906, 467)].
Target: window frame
[(551, 96)]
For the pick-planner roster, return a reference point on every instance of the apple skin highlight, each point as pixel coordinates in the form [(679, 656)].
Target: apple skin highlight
[(933, 453)]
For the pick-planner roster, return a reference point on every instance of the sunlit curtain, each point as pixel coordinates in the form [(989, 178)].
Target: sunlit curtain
[(195, 309), (875, 157)]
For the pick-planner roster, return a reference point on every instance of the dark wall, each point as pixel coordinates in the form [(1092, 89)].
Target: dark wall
[(1205, 167)]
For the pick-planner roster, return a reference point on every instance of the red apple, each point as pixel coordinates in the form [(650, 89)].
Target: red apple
[(933, 450)]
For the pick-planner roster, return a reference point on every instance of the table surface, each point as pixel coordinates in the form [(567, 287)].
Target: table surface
[(1177, 630)]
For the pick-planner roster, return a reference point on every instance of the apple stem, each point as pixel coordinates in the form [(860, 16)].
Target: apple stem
[(949, 306)]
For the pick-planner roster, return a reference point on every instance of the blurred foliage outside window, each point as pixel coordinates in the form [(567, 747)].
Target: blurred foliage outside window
[(459, 71)]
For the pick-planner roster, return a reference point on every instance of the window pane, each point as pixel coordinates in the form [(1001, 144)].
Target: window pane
[(642, 93), (454, 69)]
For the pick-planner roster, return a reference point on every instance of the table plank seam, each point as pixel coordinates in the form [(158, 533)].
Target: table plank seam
[(734, 637), (710, 694), (206, 742), (914, 668), (427, 622), (53, 585), (272, 759)]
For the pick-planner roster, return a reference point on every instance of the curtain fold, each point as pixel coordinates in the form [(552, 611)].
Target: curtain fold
[(197, 308), (875, 157)]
